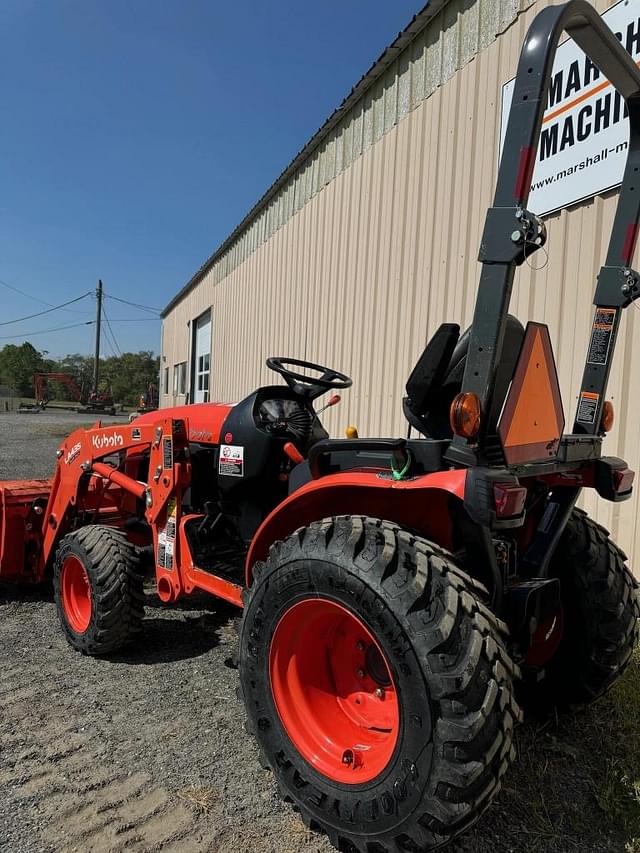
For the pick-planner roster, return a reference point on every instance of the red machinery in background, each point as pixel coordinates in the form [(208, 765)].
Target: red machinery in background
[(98, 401)]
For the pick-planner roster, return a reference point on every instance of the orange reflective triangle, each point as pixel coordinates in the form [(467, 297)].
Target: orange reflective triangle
[(532, 419)]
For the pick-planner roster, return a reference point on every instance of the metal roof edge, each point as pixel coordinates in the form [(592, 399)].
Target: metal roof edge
[(386, 58)]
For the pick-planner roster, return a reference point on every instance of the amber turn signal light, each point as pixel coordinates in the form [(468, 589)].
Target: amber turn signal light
[(606, 421), (351, 432), (464, 414)]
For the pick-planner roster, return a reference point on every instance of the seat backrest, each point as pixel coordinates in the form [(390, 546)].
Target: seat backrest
[(430, 370), (427, 407)]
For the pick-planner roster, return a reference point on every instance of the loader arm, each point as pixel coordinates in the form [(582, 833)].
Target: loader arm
[(81, 471)]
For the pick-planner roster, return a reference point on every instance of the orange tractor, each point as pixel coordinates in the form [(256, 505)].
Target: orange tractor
[(402, 597)]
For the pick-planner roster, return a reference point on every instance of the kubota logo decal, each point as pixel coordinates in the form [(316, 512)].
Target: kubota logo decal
[(100, 442)]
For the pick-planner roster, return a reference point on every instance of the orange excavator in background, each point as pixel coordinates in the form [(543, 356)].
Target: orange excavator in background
[(41, 386), (97, 402)]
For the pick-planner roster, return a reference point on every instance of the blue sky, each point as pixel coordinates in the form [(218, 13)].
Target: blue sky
[(137, 133)]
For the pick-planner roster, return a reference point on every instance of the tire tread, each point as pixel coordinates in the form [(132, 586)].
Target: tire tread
[(462, 646), (113, 566)]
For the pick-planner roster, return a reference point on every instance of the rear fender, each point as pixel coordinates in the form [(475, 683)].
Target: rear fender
[(420, 503)]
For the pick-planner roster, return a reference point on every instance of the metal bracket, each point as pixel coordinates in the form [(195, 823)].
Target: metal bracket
[(617, 287), (511, 234)]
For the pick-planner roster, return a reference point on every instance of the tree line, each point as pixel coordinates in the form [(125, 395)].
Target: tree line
[(129, 374)]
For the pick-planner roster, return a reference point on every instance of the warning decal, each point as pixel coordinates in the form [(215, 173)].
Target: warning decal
[(171, 519), (167, 537), (601, 334), (167, 452), (587, 407), (231, 460), (165, 551)]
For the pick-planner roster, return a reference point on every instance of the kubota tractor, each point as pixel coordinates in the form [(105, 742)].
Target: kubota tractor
[(401, 597)]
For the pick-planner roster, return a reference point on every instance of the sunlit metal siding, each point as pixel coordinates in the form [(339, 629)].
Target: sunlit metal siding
[(361, 274)]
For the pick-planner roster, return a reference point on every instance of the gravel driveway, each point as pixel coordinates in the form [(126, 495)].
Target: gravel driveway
[(146, 750)]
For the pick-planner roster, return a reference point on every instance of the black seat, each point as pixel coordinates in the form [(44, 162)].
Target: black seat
[(437, 376)]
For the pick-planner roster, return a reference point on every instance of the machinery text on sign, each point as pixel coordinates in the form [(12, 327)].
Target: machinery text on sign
[(585, 130)]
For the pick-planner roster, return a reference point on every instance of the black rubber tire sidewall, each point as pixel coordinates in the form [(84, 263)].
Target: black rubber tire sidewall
[(412, 753), (116, 584), (447, 655)]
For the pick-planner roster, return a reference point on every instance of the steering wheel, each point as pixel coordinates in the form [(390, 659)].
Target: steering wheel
[(309, 386)]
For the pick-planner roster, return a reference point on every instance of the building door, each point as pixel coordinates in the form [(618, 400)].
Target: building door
[(201, 358)]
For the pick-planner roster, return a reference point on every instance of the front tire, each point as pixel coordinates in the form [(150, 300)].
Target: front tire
[(98, 589), (377, 685)]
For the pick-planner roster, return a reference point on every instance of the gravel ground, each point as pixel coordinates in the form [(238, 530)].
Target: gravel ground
[(145, 750)]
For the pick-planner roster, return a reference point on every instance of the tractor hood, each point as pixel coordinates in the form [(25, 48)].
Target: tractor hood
[(204, 420)]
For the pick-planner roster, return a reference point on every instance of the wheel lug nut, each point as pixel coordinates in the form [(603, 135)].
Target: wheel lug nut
[(360, 673), (360, 646), (379, 693), (347, 757)]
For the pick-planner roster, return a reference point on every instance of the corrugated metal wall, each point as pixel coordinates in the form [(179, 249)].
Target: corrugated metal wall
[(385, 252)]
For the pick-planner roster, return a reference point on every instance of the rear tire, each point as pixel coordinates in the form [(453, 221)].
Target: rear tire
[(600, 612), (450, 675), (98, 589)]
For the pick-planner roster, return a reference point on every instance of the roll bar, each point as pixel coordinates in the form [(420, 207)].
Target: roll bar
[(512, 233)]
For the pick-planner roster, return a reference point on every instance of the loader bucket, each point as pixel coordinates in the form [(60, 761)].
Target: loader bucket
[(22, 505)]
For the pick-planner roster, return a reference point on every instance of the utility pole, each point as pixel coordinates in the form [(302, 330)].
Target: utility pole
[(96, 364)]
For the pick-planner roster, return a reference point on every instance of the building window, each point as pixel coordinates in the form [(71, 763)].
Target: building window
[(180, 378), (202, 376), (165, 381)]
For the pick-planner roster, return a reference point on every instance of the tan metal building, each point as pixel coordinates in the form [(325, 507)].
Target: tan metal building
[(369, 239)]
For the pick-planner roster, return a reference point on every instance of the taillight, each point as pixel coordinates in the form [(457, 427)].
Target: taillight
[(623, 480), (509, 500)]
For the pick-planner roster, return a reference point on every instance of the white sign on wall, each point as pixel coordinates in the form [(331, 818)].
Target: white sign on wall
[(585, 131)]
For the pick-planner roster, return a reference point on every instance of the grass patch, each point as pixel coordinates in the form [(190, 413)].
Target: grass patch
[(618, 794), (575, 785), (201, 798)]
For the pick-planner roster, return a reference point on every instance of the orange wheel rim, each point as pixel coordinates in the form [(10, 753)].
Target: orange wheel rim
[(76, 594), (334, 691)]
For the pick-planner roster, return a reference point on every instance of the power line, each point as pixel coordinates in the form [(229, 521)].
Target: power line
[(45, 331), (41, 313), (135, 319), (23, 292), (117, 350), (110, 345), (134, 304), (15, 289)]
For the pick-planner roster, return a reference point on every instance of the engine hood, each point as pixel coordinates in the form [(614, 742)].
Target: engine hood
[(204, 420)]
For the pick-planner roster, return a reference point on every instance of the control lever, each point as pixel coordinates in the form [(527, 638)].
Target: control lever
[(293, 453), (333, 401), (207, 524)]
